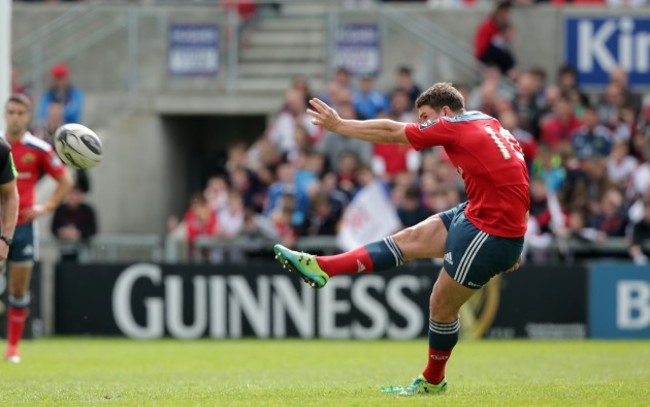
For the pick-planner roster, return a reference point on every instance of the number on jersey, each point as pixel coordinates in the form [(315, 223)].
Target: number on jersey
[(501, 139)]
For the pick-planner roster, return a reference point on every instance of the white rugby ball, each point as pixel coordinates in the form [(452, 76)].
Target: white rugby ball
[(77, 146)]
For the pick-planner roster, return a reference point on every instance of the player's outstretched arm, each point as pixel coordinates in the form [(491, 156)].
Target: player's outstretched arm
[(375, 131)]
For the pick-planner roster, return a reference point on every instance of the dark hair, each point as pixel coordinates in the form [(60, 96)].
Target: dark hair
[(21, 100), (567, 69), (404, 70), (439, 95)]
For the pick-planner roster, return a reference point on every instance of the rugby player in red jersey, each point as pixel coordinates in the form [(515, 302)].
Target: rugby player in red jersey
[(33, 158), (477, 239)]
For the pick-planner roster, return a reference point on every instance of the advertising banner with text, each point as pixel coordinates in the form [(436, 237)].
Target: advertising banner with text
[(190, 301)]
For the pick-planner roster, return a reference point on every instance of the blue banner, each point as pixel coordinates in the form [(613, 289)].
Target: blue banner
[(619, 301), (595, 45), (193, 50), (358, 48)]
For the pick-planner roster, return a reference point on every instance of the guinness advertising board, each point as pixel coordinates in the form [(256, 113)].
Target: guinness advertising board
[(148, 301)]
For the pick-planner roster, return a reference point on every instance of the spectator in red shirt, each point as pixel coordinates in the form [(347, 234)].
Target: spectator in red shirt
[(200, 220), (490, 27), (560, 126)]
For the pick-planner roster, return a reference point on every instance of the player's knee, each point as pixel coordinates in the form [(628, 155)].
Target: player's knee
[(411, 241)]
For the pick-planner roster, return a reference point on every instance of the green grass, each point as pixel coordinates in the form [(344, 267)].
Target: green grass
[(88, 372)]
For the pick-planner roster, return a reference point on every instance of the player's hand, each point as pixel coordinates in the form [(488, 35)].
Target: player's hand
[(323, 115), (36, 211), (515, 267)]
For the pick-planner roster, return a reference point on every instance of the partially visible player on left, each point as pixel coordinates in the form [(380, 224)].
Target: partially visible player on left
[(33, 158)]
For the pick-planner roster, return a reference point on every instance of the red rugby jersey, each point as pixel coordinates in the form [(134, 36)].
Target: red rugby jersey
[(33, 158), (491, 163)]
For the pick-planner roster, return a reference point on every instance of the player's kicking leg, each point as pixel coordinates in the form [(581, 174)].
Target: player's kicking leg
[(424, 240)]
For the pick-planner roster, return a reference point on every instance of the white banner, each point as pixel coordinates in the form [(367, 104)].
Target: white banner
[(370, 216)]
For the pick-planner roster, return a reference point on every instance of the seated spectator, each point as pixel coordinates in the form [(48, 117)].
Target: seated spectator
[(560, 126), (216, 193), (368, 101), (406, 84), (73, 223), (324, 216), (333, 146), (618, 75), (410, 210), (526, 102), (282, 219), (390, 160), (568, 81), (199, 221), (609, 218), (283, 127), (64, 92), (499, 52), (610, 104), (621, 165), (641, 235), (487, 96), (230, 219), (591, 139)]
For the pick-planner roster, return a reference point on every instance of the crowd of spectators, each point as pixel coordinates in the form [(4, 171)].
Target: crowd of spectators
[(587, 155)]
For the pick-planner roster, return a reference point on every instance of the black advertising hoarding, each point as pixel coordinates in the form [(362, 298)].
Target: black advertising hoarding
[(542, 302), (147, 300)]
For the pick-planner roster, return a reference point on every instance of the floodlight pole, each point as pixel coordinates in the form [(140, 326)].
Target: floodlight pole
[(5, 56)]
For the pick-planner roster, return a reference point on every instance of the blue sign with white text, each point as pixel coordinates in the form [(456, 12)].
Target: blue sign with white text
[(193, 50), (595, 45), (619, 301)]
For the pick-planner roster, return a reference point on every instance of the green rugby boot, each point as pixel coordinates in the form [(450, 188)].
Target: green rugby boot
[(302, 263), (420, 386)]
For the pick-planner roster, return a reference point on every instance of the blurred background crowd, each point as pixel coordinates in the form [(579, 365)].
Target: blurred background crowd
[(587, 154)]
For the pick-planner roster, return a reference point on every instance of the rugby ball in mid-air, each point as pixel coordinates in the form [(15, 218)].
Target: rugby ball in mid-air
[(77, 146)]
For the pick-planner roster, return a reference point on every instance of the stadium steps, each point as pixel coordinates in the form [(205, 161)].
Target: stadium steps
[(280, 47)]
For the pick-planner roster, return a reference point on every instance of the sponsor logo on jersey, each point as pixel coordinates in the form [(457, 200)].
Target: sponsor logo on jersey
[(360, 266), (428, 123), (448, 258), (28, 158)]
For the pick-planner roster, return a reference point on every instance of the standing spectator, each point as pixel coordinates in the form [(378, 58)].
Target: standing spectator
[(368, 101), (490, 27), (406, 84), (64, 92), (73, 223), (499, 50)]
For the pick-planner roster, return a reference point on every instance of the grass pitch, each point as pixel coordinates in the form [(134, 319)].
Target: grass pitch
[(88, 372)]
